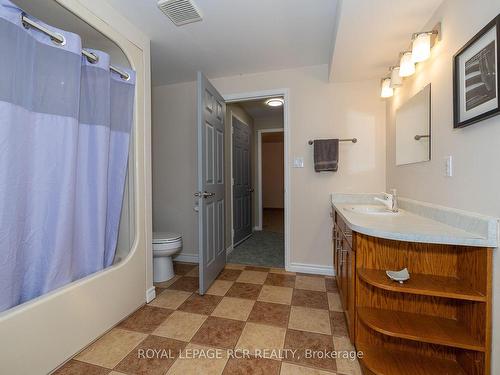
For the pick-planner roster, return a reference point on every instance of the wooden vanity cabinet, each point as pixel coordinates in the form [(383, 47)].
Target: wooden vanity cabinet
[(345, 265), (438, 322)]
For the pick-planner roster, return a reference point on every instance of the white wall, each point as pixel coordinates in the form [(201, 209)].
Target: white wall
[(174, 162), (476, 149), (318, 109)]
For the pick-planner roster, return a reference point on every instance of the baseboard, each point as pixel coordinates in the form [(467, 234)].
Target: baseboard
[(315, 269), (188, 258), (229, 250), (150, 294)]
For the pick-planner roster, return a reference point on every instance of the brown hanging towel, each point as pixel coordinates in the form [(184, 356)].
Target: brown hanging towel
[(326, 155)]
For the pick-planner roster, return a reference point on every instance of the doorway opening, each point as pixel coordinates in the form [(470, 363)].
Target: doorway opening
[(270, 180), (256, 187)]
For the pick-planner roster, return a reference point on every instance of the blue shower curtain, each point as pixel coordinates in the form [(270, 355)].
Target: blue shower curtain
[(65, 125)]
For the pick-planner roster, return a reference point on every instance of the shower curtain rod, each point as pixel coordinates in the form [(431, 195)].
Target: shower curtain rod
[(58, 38)]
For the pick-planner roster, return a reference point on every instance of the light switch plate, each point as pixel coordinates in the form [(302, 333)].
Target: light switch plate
[(448, 166), (298, 162)]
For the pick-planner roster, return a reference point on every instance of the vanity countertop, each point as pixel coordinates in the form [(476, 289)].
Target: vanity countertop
[(418, 222)]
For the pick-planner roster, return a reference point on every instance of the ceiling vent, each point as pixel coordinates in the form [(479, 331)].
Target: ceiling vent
[(180, 12)]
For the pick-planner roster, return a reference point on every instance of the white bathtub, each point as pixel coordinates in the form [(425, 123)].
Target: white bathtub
[(38, 336)]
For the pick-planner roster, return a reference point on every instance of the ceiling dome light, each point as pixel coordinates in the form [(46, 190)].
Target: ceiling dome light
[(421, 47), (275, 102), (396, 79), (406, 65), (387, 91)]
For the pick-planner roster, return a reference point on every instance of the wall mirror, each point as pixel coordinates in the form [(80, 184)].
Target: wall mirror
[(413, 129)]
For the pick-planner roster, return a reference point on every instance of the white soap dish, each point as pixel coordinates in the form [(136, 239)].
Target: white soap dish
[(399, 276)]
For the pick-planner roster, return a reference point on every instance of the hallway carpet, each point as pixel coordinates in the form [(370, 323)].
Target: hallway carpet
[(262, 249)]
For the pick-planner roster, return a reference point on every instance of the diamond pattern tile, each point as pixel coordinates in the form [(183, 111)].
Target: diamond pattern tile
[(249, 308)]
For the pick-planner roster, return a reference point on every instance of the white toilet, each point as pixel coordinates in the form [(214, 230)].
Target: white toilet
[(165, 245)]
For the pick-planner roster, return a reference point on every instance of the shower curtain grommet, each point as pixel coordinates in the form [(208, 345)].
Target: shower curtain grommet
[(56, 38), (61, 42), (95, 58)]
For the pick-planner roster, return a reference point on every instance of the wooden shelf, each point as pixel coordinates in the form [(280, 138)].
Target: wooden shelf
[(426, 285), (419, 327), (391, 362)]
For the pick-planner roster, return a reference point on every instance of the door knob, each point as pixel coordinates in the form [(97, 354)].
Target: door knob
[(251, 190), (204, 194)]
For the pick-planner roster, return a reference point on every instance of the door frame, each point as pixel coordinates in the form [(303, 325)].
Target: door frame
[(232, 178), (283, 92), (259, 169)]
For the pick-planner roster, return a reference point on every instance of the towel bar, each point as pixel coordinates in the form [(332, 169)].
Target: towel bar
[(353, 140)]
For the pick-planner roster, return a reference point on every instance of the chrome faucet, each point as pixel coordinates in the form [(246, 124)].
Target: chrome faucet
[(390, 200)]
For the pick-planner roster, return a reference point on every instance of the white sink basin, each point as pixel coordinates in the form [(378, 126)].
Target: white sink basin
[(369, 209)]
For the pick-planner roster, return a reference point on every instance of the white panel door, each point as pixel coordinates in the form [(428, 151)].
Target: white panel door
[(211, 117)]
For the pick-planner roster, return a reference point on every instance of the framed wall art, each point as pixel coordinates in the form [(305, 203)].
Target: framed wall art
[(476, 77)]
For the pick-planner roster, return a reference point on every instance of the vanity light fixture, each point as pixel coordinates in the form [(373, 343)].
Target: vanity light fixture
[(421, 45), (275, 102), (406, 64), (386, 91), (396, 79)]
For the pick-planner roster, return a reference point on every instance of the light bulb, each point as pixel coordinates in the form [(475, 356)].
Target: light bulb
[(406, 65), (421, 48), (396, 80), (386, 91)]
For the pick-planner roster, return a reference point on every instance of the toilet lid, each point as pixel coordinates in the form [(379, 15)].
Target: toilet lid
[(165, 237)]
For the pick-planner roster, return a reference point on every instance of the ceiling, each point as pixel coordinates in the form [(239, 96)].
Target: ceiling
[(371, 33), (235, 36), (258, 109), (243, 36)]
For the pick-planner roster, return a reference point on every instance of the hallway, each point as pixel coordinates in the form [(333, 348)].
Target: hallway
[(266, 247)]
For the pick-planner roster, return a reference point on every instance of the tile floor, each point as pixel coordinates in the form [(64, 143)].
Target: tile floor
[(246, 310)]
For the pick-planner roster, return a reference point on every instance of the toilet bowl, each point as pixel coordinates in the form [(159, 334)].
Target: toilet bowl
[(165, 245)]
